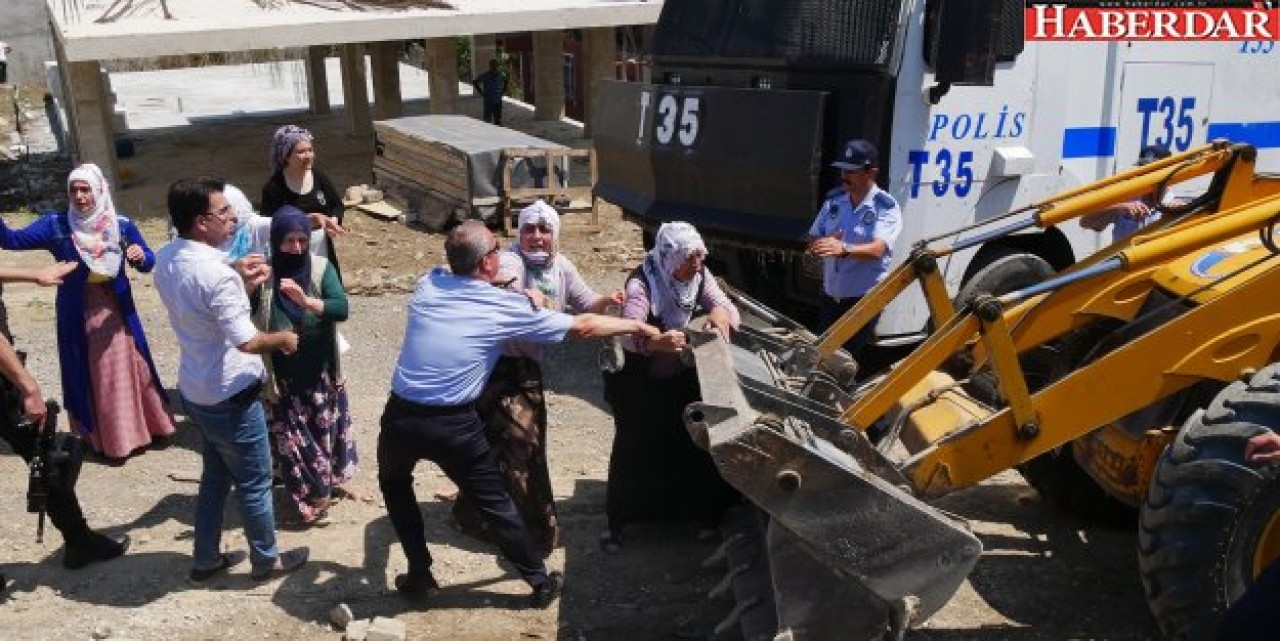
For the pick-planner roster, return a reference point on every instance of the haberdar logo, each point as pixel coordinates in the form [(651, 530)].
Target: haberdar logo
[(1153, 20)]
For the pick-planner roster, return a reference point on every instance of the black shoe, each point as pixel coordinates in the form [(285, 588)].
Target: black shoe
[(93, 548), (416, 585), (226, 562), (545, 593), (285, 563)]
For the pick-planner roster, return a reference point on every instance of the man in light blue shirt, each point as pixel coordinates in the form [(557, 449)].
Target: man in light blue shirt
[(854, 233), (458, 324)]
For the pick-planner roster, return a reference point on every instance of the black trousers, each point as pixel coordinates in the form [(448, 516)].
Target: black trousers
[(63, 506), (833, 309), (452, 438), (493, 112)]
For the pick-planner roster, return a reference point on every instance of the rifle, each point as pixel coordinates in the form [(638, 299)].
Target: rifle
[(55, 464)]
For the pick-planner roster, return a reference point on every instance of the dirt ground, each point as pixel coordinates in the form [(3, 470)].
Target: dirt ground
[(1042, 576)]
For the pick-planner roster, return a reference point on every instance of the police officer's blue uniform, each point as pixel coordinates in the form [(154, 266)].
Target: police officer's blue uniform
[(846, 279)]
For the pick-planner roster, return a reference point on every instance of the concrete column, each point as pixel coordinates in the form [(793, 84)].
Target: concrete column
[(355, 90), (90, 111), (483, 49), (600, 48), (548, 75), (317, 80), (385, 59), (442, 75)]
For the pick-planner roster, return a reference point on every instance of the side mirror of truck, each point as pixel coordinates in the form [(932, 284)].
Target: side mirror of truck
[(962, 43)]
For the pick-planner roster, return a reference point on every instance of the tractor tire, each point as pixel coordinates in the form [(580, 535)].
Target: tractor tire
[(1055, 474), (1211, 521)]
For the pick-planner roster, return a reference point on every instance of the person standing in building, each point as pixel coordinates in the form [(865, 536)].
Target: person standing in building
[(492, 86), (5, 49), (854, 233)]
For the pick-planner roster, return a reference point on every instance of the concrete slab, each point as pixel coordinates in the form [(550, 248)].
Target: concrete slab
[(223, 122), (170, 98), (107, 29)]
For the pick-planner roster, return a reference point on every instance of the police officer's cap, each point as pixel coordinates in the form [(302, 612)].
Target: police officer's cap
[(1152, 153), (857, 154)]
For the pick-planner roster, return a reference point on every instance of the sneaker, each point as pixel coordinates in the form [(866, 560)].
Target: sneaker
[(545, 593), (416, 585), (285, 563), (228, 561), (93, 548)]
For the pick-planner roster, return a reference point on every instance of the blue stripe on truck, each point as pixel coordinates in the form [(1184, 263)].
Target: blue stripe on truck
[(1263, 135), (1089, 142), (1100, 142)]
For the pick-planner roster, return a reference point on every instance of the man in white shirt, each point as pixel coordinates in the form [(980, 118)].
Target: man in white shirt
[(220, 374)]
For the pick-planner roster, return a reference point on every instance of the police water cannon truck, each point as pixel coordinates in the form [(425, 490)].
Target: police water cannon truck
[(750, 100)]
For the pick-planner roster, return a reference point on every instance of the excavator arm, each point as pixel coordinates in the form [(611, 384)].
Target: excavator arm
[(785, 426)]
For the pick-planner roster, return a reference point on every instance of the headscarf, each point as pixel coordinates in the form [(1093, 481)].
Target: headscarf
[(669, 299), (539, 213), (282, 144), (541, 269), (96, 234), (240, 242), (289, 219)]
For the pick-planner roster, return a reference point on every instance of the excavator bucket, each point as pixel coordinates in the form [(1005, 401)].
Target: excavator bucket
[(850, 554)]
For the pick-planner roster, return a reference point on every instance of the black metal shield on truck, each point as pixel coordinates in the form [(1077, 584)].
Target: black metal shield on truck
[(712, 156)]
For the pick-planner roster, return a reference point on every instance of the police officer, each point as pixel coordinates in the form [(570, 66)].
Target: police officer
[(854, 233)]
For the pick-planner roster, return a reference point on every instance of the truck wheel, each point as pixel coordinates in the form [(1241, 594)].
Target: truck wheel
[(1055, 475), (1000, 272), (1211, 521)]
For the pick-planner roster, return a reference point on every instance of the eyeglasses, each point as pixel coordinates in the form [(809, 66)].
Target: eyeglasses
[(538, 227), (221, 213), (496, 248)]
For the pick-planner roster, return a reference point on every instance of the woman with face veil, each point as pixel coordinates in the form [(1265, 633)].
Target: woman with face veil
[(307, 409)]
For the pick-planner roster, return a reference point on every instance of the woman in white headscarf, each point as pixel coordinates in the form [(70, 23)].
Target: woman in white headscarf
[(109, 382), (252, 234), (656, 471), (512, 406)]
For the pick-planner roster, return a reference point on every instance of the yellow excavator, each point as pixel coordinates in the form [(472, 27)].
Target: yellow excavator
[(1142, 369)]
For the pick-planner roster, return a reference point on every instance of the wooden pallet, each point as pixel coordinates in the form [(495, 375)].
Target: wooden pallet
[(566, 198)]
